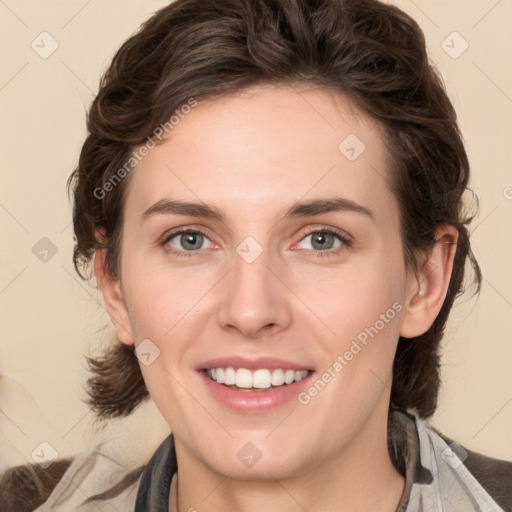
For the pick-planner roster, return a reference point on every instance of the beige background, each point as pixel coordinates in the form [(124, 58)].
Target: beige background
[(50, 319)]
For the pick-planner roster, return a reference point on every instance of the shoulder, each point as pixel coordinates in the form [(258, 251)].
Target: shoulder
[(24, 488), (105, 475), (440, 470), (494, 475), (68, 484)]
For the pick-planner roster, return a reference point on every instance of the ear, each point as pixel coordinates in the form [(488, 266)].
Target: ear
[(114, 300), (429, 286)]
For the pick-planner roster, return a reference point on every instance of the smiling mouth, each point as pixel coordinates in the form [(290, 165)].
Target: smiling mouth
[(258, 380)]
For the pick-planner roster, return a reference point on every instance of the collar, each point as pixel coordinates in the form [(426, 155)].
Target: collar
[(155, 482)]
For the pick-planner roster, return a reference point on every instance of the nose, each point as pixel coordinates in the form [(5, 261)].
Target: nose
[(254, 301)]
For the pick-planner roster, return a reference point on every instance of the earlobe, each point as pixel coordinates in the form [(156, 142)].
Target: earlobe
[(428, 287), (113, 297)]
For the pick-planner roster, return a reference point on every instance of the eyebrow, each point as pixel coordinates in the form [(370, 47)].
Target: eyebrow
[(296, 210)]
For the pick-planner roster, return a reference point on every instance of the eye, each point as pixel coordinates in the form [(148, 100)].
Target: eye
[(187, 240), (323, 242), (326, 241)]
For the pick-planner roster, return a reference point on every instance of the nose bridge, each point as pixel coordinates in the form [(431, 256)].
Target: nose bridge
[(253, 298)]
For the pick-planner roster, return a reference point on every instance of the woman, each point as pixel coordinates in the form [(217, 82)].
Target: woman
[(270, 198)]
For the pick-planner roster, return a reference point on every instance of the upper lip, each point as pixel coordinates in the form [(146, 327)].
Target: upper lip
[(252, 363)]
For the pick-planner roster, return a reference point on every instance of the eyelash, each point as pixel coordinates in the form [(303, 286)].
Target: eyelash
[(345, 240)]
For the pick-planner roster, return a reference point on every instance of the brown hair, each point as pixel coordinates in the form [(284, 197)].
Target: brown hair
[(371, 52)]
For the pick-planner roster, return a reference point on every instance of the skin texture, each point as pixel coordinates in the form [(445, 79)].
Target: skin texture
[(252, 155)]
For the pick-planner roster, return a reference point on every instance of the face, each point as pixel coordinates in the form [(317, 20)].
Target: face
[(253, 278)]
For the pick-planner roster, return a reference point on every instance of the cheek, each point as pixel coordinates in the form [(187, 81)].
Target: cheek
[(351, 298), (160, 298), (166, 307), (362, 306)]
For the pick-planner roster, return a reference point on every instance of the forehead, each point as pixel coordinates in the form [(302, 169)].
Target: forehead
[(266, 147)]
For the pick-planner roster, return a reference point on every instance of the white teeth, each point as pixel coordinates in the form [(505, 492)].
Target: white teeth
[(289, 376), (261, 379), (243, 378), (229, 377), (258, 379), (277, 377)]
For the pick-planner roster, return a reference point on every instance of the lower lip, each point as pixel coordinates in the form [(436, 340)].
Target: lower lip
[(258, 401)]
